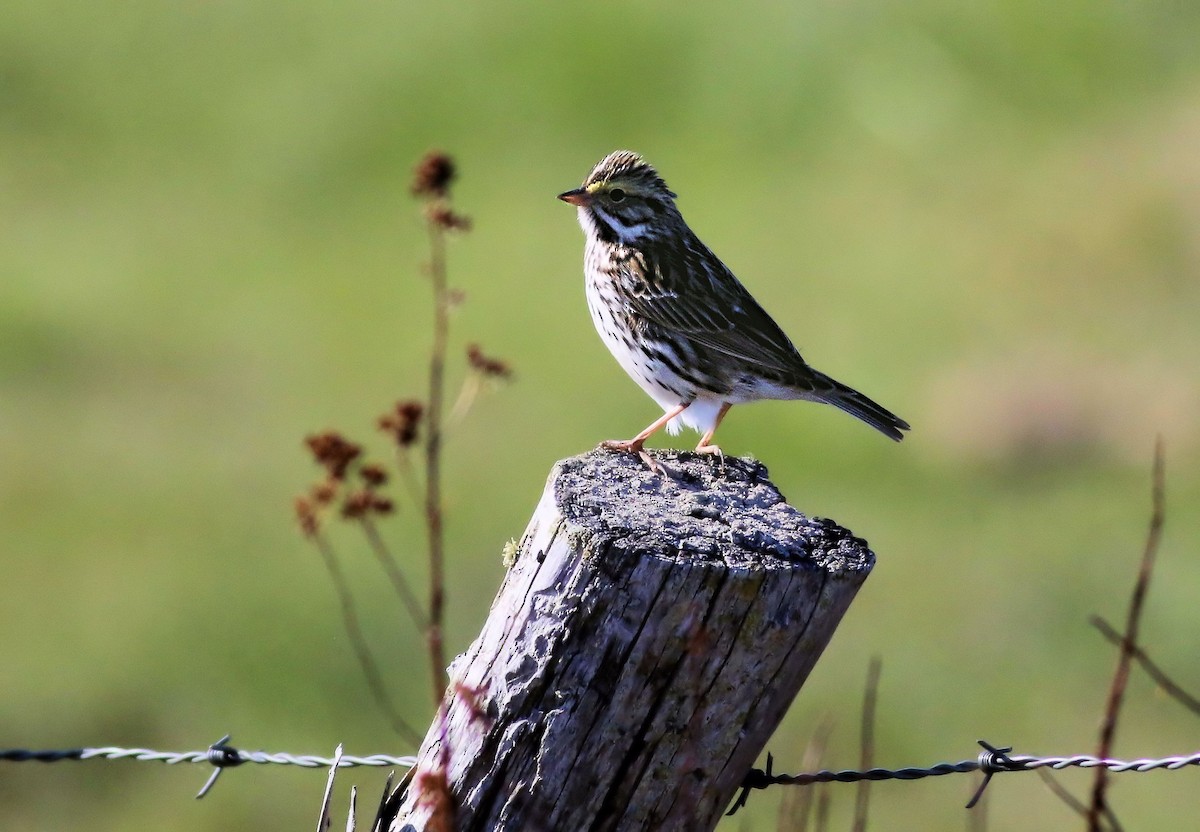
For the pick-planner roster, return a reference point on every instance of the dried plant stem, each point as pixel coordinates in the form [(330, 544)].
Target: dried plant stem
[(466, 398), (409, 475), (1057, 789), (822, 813), (1073, 803), (433, 459), (867, 743), (797, 804), (388, 561), (359, 642), (1116, 694), (1152, 670)]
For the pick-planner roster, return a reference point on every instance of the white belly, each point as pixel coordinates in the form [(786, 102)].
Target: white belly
[(657, 379)]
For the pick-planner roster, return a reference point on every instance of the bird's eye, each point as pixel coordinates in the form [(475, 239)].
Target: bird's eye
[(617, 195)]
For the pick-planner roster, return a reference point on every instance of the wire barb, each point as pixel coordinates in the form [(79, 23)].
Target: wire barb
[(992, 760), (221, 756)]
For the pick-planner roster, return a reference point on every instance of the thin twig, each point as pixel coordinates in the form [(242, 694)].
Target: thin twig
[(1058, 790), (433, 460), (823, 801), (1156, 673), (408, 473), (1116, 694), (1073, 802), (867, 743), (388, 561), (466, 397), (358, 641), (794, 813)]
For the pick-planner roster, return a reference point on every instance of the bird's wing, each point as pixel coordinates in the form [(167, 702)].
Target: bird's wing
[(690, 293)]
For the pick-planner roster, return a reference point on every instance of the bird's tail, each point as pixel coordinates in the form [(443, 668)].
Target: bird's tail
[(832, 391)]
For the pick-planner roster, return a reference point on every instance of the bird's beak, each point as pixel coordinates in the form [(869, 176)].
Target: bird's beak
[(576, 197)]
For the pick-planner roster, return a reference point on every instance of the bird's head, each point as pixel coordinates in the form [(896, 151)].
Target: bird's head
[(624, 200)]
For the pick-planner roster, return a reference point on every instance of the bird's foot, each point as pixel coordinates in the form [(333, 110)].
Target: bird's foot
[(632, 446), (713, 450)]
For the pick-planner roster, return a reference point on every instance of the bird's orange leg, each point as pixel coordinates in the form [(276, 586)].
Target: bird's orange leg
[(635, 444), (704, 447)]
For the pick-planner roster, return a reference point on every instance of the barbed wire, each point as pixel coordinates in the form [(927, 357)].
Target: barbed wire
[(220, 755), (991, 761)]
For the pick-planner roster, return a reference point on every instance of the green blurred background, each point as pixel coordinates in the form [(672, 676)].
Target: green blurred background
[(984, 215)]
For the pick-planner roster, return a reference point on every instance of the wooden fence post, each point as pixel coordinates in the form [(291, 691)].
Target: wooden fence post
[(642, 649)]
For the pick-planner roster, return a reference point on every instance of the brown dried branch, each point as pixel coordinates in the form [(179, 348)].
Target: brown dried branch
[(433, 451), (390, 565), (823, 801), (1156, 673), (1058, 790), (797, 804), (867, 743), (1116, 694), (358, 641), (1073, 803)]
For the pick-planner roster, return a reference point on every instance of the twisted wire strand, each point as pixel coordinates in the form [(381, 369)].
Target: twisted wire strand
[(1116, 766), (220, 755), (260, 757), (990, 761), (757, 779)]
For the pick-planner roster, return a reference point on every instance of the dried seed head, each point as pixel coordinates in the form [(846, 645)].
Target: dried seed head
[(357, 504), (382, 505), (373, 474), (402, 422), (324, 493), (333, 452), (306, 516), (433, 175), (490, 367), (442, 216)]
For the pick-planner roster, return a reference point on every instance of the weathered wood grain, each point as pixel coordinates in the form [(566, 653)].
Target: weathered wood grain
[(642, 649)]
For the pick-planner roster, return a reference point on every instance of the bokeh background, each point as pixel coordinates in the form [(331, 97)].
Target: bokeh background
[(984, 215)]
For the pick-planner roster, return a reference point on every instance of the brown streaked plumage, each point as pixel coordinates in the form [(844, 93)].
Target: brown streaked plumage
[(679, 321)]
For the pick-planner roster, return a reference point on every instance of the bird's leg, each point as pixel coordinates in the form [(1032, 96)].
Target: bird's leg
[(705, 446), (635, 444)]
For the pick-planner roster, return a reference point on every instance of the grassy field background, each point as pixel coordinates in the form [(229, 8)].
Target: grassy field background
[(984, 215)]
